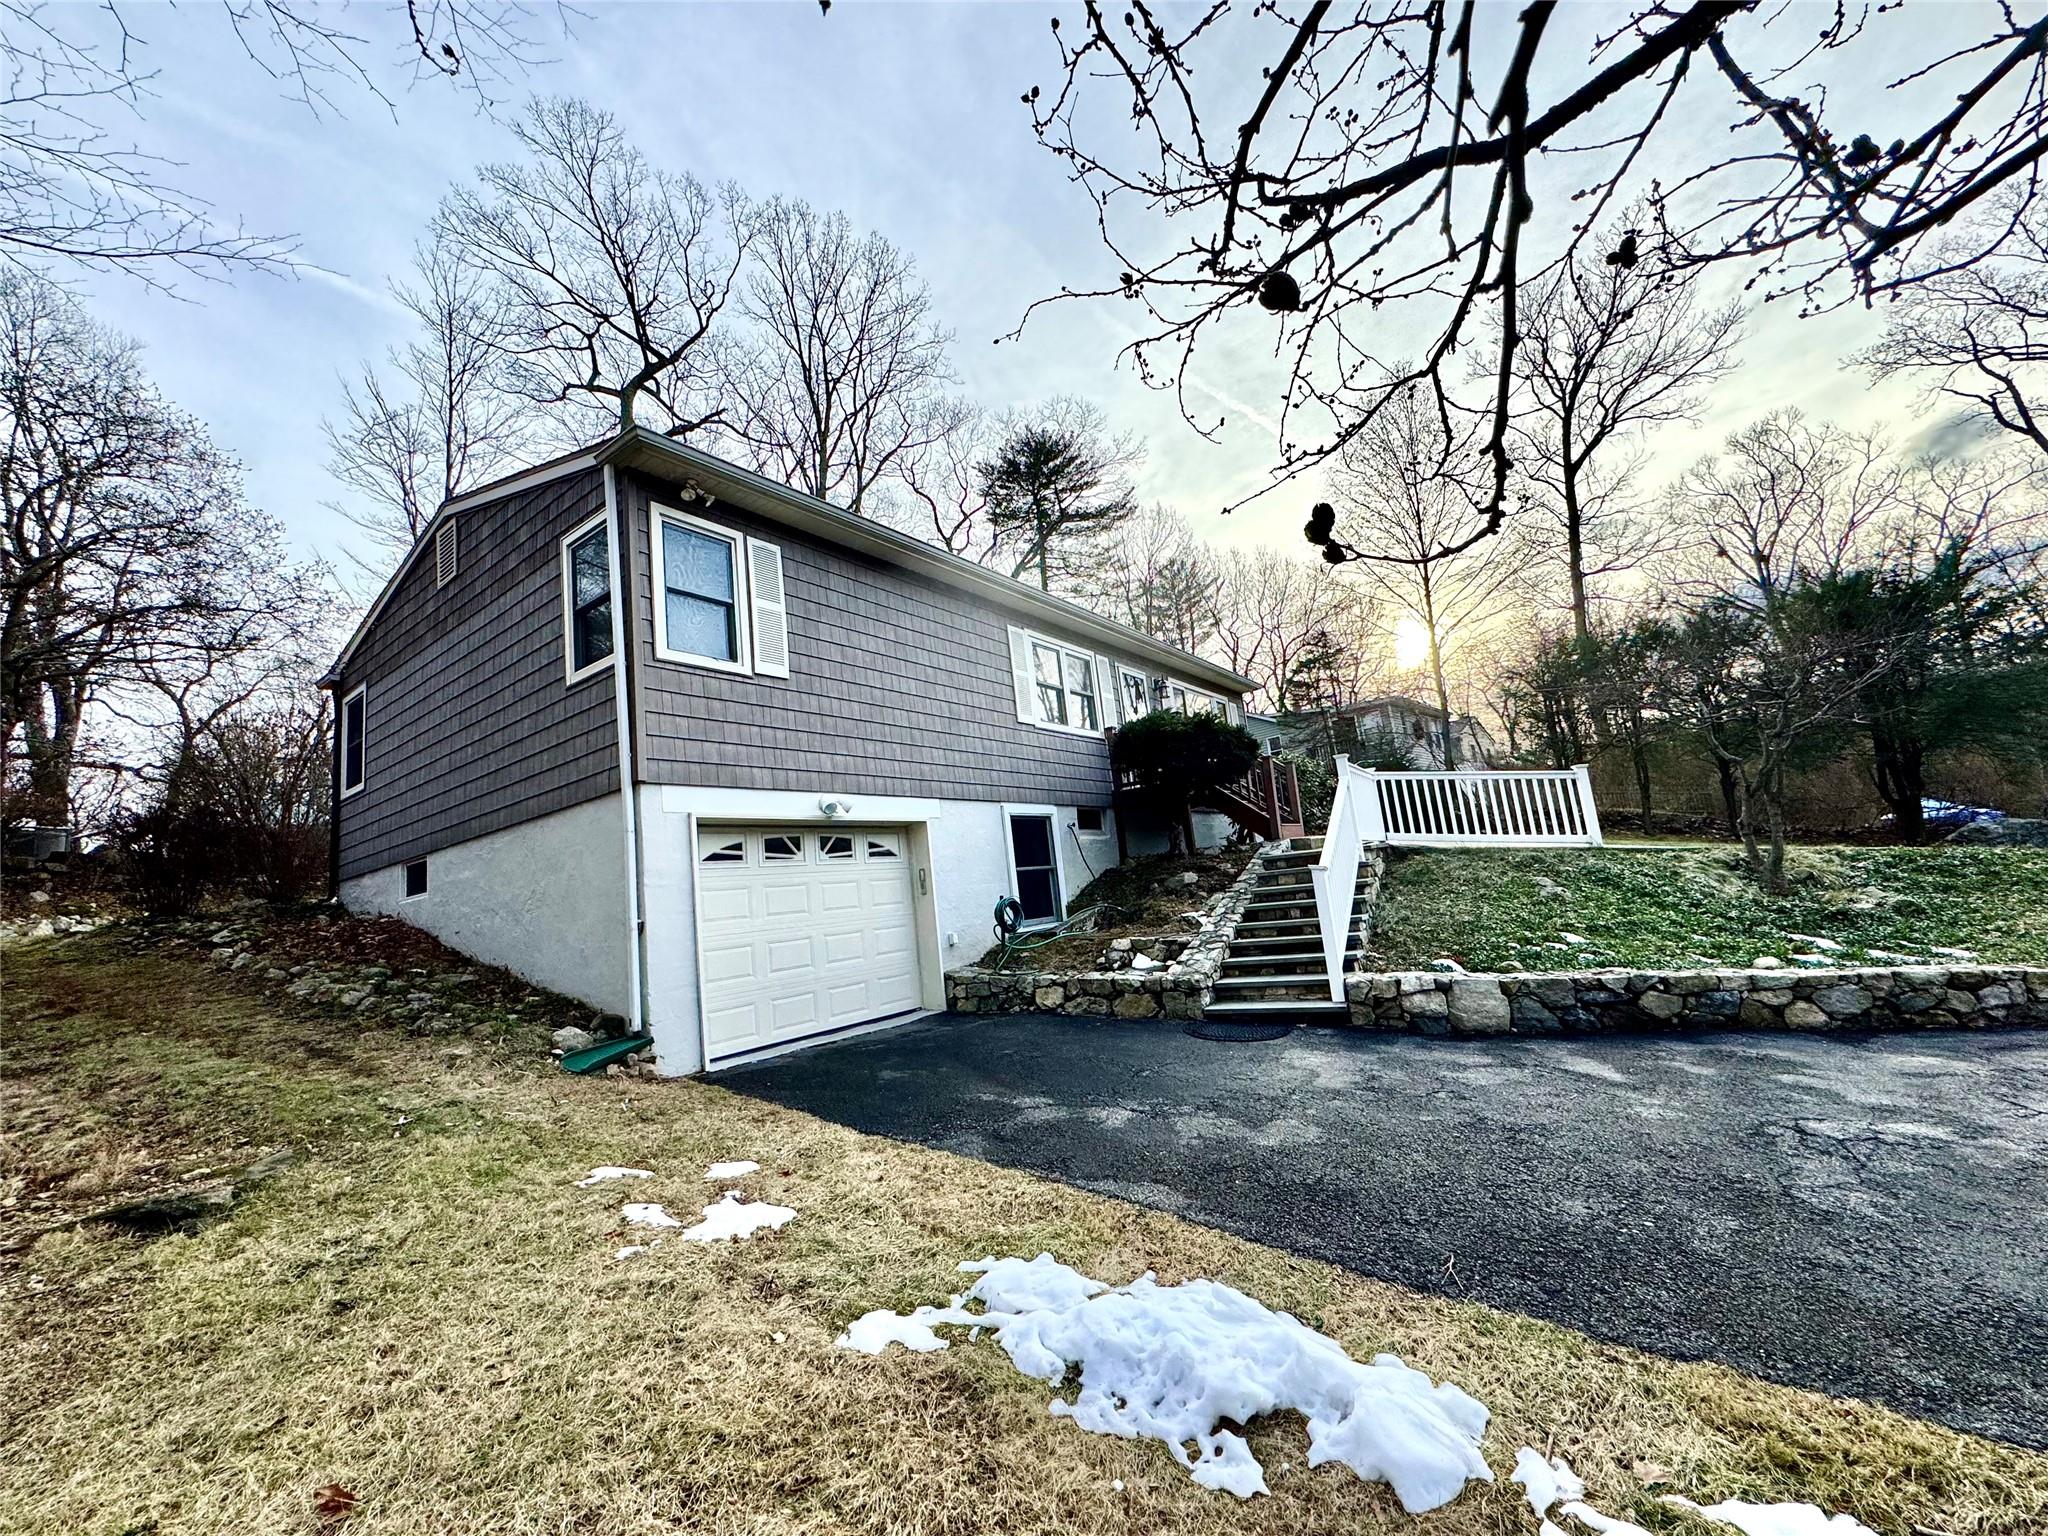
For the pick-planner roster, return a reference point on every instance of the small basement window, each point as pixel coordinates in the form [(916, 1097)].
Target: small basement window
[(415, 879), (444, 554), (1089, 818)]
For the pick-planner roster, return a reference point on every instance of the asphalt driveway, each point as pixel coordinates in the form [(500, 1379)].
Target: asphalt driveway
[(1866, 1216)]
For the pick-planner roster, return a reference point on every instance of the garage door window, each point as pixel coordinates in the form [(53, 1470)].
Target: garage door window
[(1038, 881), (782, 848), (720, 848), (835, 845), (885, 845)]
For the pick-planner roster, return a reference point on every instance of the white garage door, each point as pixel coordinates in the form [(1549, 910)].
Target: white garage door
[(802, 931)]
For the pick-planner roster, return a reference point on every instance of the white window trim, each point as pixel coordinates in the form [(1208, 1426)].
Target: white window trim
[(1065, 648), (742, 594), (1059, 872), (574, 536), (341, 741)]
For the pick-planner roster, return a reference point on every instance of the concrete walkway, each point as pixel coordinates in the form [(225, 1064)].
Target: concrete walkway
[(1864, 1216)]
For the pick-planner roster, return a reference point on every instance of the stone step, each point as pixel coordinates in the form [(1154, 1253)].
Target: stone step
[(1319, 1010)]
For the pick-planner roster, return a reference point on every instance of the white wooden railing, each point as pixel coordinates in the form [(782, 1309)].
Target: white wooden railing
[(1335, 872), (1512, 808)]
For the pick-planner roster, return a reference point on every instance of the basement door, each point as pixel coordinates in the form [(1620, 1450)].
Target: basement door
[(802, 932)]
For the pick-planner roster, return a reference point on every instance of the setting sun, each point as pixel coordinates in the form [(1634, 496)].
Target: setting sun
[(1411, 643)]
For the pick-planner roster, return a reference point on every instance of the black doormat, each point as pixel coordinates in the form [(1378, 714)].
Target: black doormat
[(1239, 1031)]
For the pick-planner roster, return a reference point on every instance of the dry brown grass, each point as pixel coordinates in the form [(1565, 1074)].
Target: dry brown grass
[(429, 1314)]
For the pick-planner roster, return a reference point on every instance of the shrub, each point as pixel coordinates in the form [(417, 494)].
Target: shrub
[(1174, 760)]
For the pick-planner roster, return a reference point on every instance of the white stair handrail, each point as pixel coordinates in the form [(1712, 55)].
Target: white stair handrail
[(1335, 872)]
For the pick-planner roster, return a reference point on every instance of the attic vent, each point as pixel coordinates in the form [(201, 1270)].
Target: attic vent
[(444, 554)]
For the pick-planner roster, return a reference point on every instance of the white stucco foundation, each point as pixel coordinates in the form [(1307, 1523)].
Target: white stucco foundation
[(546, 900)]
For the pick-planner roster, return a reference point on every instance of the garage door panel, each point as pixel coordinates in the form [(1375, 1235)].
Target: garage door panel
[(797, 946)]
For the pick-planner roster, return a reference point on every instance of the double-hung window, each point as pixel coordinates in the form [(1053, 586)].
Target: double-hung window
[(1058, 685), (1136, 693), (718, 597), (587, 597)]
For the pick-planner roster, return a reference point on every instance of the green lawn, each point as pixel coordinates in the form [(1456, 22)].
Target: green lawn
[(1498, 910)]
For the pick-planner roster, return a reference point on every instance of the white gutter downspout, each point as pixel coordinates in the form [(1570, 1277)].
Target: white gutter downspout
[(636, 1013)]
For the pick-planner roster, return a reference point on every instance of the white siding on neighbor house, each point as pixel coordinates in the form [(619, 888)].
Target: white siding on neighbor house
[(545, 899)]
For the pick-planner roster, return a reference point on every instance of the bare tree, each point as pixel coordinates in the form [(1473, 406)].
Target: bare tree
[(612, 276), (938, 494), (1334, 165), (1276, 612), (1979, 334), (440, 417), (72, 190), (1607, 353), (1055, 486), (1786, 499), (842, 381), (134, 579), (1400, 502), (1158, 577)]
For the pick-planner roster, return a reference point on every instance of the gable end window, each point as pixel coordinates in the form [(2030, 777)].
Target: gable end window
[(1058, 685), (720, 601), (587, 598), (354, 715), (444, 554)]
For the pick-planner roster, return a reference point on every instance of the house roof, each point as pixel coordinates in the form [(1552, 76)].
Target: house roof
[(1413, 706), (666, 457)]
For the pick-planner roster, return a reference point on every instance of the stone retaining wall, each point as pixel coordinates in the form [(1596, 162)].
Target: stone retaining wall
[(1876, 998), (1179, 989)]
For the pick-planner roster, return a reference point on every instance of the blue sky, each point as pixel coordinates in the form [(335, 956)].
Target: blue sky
[(905, 116)]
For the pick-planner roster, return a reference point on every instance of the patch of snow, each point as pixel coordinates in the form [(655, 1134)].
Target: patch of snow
[(1813, 940), (1573, 938), (733, 1217), (1953, 954), (1775, 1519), (1447, 965), (1167, 1362), (1606, 1525), (632, 1250), (1885, 954), (1144, 962), (1812, 959), (647, 1216), (731, 1170), (601, 1175), (1116, 1485), (1546, 1481), (876, 1331)]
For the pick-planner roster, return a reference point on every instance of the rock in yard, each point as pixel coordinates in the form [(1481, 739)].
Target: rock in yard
[(569, 1038)]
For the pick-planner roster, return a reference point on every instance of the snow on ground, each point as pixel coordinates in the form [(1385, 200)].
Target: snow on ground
[(1545, 1481), (1813, 941), (732, 1217), (1606, 1525), (603, 1175), (731, 1170), (877, 1330), (1775, 1519), (639, 1215), (1167, 1362)]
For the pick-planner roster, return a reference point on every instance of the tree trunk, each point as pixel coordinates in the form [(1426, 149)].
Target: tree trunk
[(1641, 758), (1900, 771), (1575, 550), (1774, 821), (1731, 800)]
